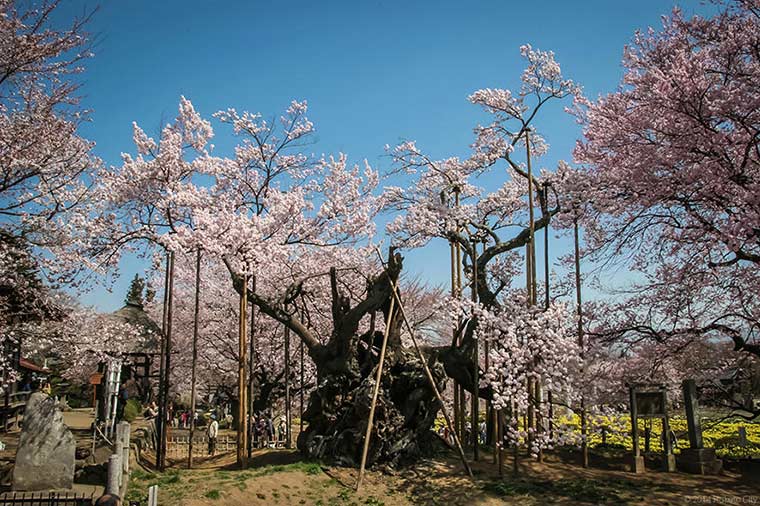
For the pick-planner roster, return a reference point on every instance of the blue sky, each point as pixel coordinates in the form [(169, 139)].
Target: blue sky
[(373, 72)]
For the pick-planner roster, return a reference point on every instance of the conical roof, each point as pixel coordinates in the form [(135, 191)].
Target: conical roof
[(134, 314)]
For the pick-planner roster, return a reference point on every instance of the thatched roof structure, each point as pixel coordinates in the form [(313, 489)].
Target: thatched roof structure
[(134, 314)]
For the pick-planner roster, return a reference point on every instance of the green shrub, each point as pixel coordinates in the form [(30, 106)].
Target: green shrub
[(132, 410)]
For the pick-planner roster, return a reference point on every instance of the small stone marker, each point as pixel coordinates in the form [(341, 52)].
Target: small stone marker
[(45, 455)]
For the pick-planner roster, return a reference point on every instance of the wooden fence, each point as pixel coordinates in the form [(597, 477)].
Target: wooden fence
[(177, 445), (44, 499)]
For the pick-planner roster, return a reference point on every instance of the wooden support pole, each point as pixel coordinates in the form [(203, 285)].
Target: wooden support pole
[(579, 304), (164, 378), (302, 385), (242, 457), (500, 440), (161, 418), (196, 312), (455, 338), (547, 295), (533, 384), (251, 363), (475, 410), (287, 389), (547, 303), (375, 392), (532, 222), (429, 374), (458, 287)]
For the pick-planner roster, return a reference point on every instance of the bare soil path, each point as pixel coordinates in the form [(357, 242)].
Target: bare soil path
[(280, 477)]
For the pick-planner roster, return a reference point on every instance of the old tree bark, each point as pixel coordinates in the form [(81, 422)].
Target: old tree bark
[(338, 408)]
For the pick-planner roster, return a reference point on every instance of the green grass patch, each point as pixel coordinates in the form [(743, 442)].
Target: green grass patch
[(213, 494), (169, 483)]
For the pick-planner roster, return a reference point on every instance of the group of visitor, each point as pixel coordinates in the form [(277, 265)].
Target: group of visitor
[(178, 419), (182, 419), (263, 430)]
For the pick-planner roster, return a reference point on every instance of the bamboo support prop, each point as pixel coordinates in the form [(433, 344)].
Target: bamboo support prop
[(375, 392), (427, 370)]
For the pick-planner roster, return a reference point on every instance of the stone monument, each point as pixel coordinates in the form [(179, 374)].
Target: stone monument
[(696, 459), (45, 455)]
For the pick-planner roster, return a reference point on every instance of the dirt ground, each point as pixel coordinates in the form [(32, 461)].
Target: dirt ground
[(280, 477)]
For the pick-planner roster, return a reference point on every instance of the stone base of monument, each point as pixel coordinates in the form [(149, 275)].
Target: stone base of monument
[(45, 455), (699, 461), (636, 463), (669, 463)]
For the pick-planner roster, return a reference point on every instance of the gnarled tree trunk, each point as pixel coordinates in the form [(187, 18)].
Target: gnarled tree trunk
[(338, 409)]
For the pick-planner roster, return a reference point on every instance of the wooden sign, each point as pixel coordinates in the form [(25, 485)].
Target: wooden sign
[(650, 404)]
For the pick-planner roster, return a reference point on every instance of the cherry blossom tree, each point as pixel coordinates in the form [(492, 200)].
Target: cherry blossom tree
[(44, 163), (671, 165), (445, 201)]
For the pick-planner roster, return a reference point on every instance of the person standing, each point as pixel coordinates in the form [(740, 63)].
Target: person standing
[(270, 428), (212, 432), (281, 431), (151, 412)]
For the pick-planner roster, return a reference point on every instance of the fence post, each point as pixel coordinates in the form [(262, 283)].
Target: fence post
[(122, 431), (113, 486), (153, 495)]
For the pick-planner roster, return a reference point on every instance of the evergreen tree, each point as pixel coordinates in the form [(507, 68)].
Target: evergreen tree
[(135, 293)]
